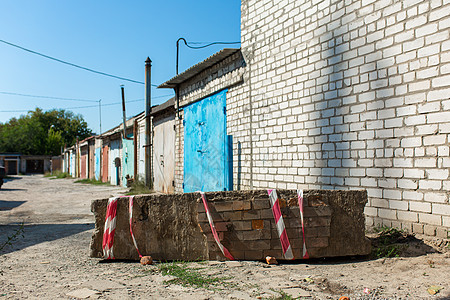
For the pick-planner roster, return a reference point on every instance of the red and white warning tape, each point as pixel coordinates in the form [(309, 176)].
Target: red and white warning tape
[(300, 206), (285, 245), (110, 227), (224, 250), (130, 209)]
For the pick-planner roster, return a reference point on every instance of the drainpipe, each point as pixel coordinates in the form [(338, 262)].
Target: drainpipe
[(124, 115), (148, 140), (178, 50), (177, 88)]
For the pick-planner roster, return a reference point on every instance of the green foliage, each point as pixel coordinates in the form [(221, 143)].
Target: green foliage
[(42, 133), (283, 295), (388, 242), (57, 175), (187, 276), (91, 181)]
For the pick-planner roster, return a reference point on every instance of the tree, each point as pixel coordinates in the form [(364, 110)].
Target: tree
[(42, 133)]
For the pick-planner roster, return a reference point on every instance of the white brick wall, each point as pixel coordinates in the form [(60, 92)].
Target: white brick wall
[(341, 95), (352, 94)]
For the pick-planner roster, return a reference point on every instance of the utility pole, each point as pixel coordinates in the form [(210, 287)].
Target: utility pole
[(148, 137), (100, 114)]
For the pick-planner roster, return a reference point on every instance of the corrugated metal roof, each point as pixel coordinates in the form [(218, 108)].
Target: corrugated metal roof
[(196, 69), (166, 105)]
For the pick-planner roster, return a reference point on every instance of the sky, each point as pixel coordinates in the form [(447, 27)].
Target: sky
[(113, 37)]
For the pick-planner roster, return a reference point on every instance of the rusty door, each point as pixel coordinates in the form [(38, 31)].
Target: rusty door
[(91, 164), (164, 154), (105, 163), (84, 162)]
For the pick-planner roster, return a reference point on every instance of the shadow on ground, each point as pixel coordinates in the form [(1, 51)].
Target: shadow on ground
[(11, 178), (6, 189), (8, 205), (36, 234), (387, 243)]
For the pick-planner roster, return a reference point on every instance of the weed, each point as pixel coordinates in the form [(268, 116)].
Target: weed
[(91, 181), (388, 235), (12, 238), (139, 188), (389, 241), (283, 295), (57, 175), (187, 276)]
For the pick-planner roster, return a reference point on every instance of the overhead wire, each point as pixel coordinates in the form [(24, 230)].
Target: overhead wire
[(60, 98), (210, 44), (87, 106), (47, 97), (72, 64)]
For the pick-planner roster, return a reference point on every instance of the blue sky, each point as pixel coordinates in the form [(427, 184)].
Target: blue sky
[(109, 36)]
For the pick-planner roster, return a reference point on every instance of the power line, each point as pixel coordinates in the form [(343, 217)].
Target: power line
[(71, 64), (78, 107), (87, 106), (210, 44), (60, 98), (47, 97), (196, 47)]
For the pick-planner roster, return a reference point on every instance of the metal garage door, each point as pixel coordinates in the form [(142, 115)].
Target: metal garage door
[(207, 161)]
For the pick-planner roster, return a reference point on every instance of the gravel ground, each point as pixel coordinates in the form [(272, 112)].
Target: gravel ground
[(51, 260)]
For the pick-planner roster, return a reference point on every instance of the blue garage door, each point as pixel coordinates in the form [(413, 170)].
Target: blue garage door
[(207, 155)]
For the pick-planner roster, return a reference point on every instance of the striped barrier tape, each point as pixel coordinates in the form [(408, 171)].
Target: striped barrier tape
[(300, 206), (285, 245), (224, 250), (130, 209), (110, 228)]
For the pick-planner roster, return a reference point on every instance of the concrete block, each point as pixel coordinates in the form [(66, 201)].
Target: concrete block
[(168, 226)]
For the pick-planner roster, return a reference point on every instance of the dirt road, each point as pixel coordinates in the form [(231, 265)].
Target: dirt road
[(51, 260)]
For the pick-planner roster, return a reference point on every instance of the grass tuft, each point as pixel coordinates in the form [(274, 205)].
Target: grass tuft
[(186, 276), (91, 181), (389, 242), (57, 175), (283, 295)]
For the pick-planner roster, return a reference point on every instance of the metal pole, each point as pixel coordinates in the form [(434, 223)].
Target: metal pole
[(100, 114), (148, 139), (124, 114)]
